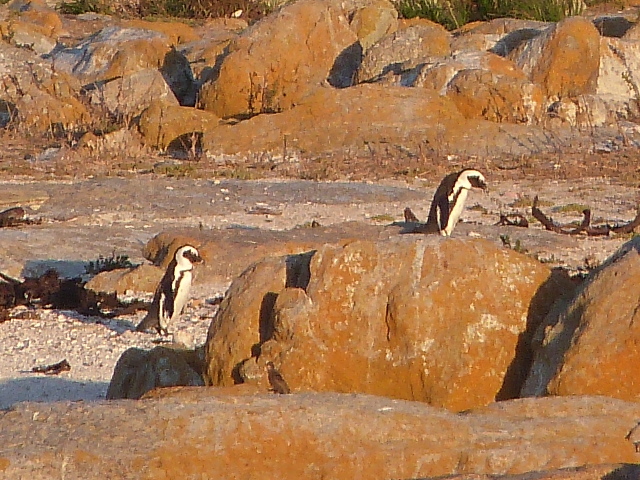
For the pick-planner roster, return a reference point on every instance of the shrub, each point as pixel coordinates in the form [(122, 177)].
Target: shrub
[(455, 13)]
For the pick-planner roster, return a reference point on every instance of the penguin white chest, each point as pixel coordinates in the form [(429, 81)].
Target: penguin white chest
[(456, 211), (183, 285)]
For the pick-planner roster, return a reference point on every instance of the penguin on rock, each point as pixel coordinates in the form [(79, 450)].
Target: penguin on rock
[(448, 201), (172, 293)]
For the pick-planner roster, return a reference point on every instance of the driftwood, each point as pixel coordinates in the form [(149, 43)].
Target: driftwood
[(585, 226), (54, 369), (518, 220), (50, 291)]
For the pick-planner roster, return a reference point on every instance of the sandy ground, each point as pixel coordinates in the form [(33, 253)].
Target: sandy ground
[(84, 219)]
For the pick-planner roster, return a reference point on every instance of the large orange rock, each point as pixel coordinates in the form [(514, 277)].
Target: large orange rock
[(263, 73), (590, 345), (128, 96), (177, 32), (499, 98), (201, 434), (162, 124), (27, 35), (332, 119), (482, 85), (370, 118), (564, 59), (446, 322), (373, 21)]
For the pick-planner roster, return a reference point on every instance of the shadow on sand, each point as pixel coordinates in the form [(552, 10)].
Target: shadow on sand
[(41, 388)]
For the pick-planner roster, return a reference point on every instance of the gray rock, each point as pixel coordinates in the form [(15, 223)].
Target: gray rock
[(140, 371), (92, 58), (403, 50)]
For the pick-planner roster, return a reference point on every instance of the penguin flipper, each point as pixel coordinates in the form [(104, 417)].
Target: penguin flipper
[(445, 210)]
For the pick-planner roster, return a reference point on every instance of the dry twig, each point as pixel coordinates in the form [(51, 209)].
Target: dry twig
[(585, 226)]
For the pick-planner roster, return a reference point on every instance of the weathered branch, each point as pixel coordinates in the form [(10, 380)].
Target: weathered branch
[(585, 226), (629, 227), (519, 220)]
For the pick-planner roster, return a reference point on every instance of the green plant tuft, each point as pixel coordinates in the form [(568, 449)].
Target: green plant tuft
[(453, 14), (106, 264), (571, 207), (385, 217), (77, 7)]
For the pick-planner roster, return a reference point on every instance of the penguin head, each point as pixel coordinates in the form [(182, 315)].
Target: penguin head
[(187, 255), (469, 178)]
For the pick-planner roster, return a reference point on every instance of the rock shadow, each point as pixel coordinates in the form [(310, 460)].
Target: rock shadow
[(626, 472), (187, 146), (298, 275), (8, 113), (66, 268), (40, 388), (185, 87), (344, 69), (299, 270), (513, 40), (557, 288), (416, 227)]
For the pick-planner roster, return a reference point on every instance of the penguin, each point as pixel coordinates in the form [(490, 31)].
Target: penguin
[(277, 382), (448, 201), (172, 292)]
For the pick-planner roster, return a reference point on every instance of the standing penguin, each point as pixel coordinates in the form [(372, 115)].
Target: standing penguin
[(448, 201), (172, 292)]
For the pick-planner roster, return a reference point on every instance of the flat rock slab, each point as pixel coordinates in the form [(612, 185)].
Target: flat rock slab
[(331, 436)]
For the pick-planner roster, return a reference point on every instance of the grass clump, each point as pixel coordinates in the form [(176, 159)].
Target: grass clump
[(107, 264), (77, 7), (191, 9), (478, 208), (385, 217), (516, 247), (571, 208), (453, 14), (525, 201)]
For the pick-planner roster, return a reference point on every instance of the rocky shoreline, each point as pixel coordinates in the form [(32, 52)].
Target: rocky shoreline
[(503, 352)]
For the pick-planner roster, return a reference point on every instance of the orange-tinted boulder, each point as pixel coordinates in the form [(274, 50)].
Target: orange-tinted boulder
[(564, 59), (590, 345), (263, 73), (205, 433), (446, 322)]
